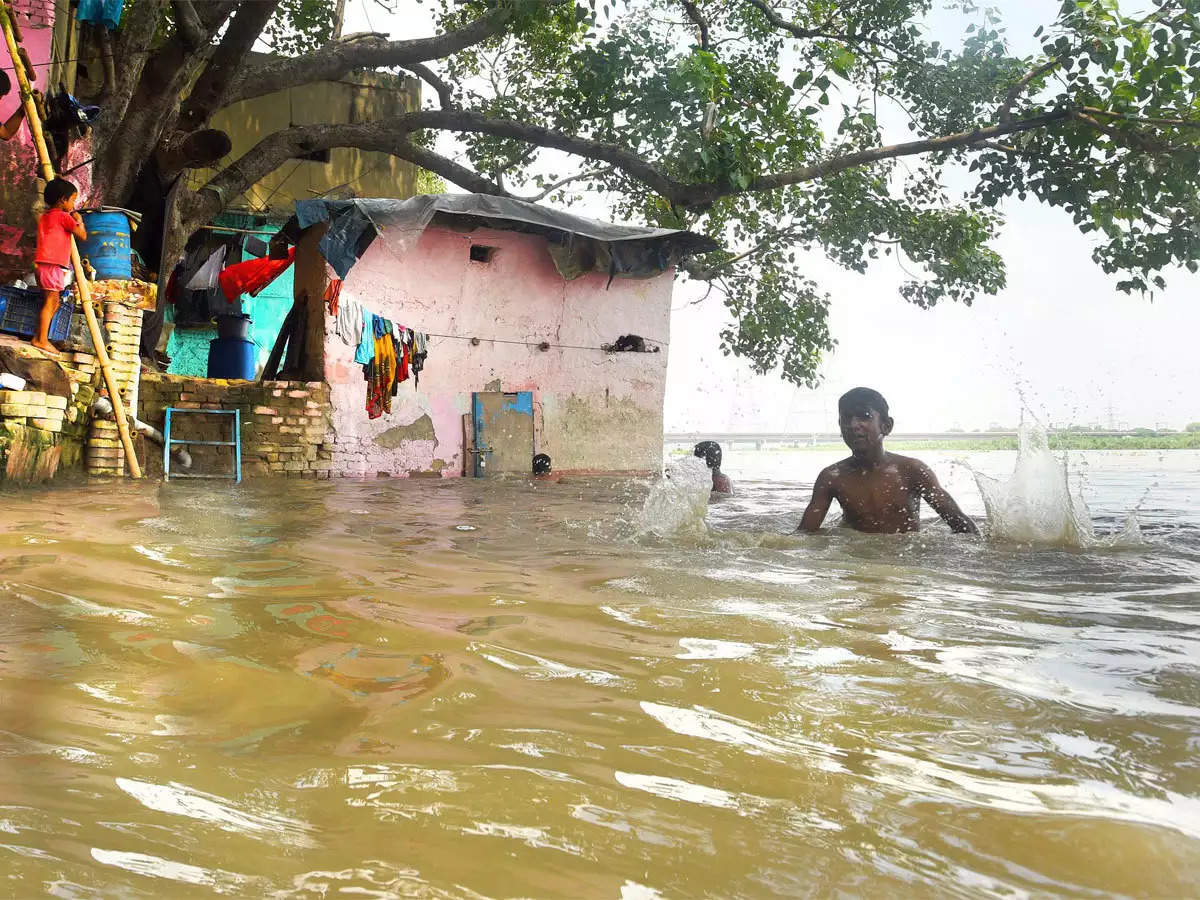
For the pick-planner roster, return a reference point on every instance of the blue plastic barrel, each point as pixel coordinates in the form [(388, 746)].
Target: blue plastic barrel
[(231, 358), (107, 244)]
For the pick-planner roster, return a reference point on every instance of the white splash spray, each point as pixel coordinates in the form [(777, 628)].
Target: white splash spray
[(678, 502), (1036, 504)]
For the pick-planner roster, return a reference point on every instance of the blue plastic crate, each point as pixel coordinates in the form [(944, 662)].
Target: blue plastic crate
[(19, 310)]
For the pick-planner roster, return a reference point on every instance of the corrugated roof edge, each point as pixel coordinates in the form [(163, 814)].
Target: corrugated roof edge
[(415, 213)]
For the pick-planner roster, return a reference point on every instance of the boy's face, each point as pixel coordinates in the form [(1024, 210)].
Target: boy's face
[(863, 429), (68, 204)]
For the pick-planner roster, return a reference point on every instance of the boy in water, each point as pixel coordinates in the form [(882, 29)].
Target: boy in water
[(53, 259), (710, 452), (878, 491)]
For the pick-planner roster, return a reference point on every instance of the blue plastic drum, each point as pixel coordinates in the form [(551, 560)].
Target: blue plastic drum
[(231, 358), (107, 244)]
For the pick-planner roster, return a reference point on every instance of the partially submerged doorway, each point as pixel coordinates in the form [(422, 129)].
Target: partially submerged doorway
[(502, 433)]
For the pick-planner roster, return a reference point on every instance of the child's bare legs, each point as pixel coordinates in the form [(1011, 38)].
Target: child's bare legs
[(41, 338)]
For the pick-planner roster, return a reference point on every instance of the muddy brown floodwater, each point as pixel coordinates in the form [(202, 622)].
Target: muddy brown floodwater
[(460, 689)]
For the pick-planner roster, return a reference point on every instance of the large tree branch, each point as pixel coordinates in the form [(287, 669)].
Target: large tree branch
[(444, 91), (909, 148), (208, 94), (448, 169), (389, 136), (393, 136), (214, 13), (701, 23), (563, 182), (336, 59), (600, 151), (1015, 92), (781, 23), (188, 25), (823, 31), (1131, 139)]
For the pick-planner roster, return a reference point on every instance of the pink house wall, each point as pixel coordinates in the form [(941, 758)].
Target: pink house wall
[(19, 169), (593, 411)]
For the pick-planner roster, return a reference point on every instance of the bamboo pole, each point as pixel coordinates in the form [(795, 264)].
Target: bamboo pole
[(84, 288)]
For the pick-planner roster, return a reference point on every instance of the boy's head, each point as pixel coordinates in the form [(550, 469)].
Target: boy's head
[(863, 419), (541, 464), (710, 452), (60, 194), (5, 83)]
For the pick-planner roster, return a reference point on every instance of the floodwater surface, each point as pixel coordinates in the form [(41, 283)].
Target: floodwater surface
[(460, 689)]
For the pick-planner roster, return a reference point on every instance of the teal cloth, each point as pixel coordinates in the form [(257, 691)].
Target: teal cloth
[(366, 344), (101, 12)]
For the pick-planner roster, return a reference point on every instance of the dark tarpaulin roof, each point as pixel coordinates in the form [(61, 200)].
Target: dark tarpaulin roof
[(628, 250)]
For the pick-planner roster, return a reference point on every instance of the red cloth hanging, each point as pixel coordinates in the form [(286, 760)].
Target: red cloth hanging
[(253, 275), (332, 292)]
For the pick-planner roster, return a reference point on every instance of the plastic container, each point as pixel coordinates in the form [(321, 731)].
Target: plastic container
[(107, 244), (231, 358), (233, 327), (19, 310)]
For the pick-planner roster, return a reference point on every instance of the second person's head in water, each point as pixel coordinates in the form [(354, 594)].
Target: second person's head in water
[(864, 421)]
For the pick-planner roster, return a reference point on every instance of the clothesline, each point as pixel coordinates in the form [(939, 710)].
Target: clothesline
[(547, 344), (230, 228)]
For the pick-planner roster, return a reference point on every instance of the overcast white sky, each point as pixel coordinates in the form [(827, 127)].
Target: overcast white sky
[(1059, 335)]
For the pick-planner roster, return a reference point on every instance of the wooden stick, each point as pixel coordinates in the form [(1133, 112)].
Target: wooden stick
[(85, 290)]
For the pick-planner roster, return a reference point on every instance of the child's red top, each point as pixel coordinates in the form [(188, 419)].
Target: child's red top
[(55, 228)]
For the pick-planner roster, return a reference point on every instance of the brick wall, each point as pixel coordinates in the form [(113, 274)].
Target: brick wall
[(41, 435), (285, 424), (34, 12)]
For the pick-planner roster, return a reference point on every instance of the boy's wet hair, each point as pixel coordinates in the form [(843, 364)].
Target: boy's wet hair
[(5, 84), (541, 464), (860, 398), (710, 452), (58, 190)]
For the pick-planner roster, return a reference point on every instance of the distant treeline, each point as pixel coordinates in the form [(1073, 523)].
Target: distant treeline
[(1060, 441)]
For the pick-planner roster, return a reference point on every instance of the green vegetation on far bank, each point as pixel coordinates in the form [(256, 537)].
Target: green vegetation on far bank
[(1063, 441)]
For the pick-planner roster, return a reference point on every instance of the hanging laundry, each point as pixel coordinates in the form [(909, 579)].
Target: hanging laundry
[(420, 351), (101, 12), (348, 325), (366, 342), (380, 372), (385, 360), (403, 357), (332, 292), (206, 276), (251, 276), (67, 120)]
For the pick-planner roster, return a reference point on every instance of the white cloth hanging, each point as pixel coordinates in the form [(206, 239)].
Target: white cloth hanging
[(349, 321)]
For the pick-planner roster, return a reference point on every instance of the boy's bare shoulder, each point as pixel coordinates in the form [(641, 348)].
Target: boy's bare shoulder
[(910, 465), (831, 474)]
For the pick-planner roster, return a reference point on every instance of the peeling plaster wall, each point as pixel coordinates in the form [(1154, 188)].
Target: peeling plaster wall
[(20, 189), (593, 411)]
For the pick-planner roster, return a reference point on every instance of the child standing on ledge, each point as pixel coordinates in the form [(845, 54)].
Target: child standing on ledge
[(53, 260)]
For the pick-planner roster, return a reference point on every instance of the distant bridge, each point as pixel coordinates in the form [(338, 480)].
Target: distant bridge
[(808, 439)]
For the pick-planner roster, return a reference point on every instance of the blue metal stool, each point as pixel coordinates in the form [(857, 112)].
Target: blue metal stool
[(236, 443)]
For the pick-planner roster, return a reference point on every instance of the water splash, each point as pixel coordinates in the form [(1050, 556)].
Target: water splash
[(678, 502), (1037, 505)]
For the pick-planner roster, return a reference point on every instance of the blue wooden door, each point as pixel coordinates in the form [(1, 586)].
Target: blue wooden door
[(503, 433)]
